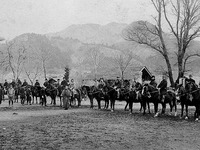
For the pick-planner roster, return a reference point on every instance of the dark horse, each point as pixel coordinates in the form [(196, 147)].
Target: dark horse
[(76, 96), (170, 98), (35, 93), (110, 93), (189, 96), (59, 93), (93, 92), (22, 93), (132, 99), (52, 92), (150, 95), (43, 96)]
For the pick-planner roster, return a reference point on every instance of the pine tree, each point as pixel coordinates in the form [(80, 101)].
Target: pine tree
[(66, 75)]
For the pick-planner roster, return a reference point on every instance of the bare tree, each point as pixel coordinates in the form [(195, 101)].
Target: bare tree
[(185, 29), (96, 58), (44, 53), (32, 68), (14, 57), (123, 61), (186, 60)]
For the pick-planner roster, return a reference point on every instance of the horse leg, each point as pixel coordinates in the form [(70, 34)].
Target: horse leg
[(35, 99), (182, 109), (141, 106), (175, 106), (197, 113), (113, 105), (156, 109), (163, 108), (91, 102), (186, 109), (79, 101), (99, 104), (144, 107), (126, 105), (149, 108), (131, 106), (54, 101)]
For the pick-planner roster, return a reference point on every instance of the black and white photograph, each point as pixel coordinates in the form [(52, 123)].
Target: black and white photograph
[(99, 74)]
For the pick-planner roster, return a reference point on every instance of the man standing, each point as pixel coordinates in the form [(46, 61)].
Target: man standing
[(66, 95), (11, 94), (163, 88)]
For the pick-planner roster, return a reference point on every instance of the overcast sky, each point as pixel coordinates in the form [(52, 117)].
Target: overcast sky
[(44, 16)]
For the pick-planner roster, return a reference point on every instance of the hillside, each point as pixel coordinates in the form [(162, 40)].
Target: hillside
[(92, 50), (93, 33)]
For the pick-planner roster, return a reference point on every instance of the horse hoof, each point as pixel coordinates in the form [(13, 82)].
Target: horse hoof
[(156, 115), (130, 113), (186, 118), (112, 110), (196, 119), (175, 114)]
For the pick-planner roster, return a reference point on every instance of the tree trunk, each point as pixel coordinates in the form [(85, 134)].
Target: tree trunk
[(180, 66), (169, 71), (122, 78), (45, 73)]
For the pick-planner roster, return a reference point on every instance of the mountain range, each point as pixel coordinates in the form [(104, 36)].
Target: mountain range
[(92, 50)]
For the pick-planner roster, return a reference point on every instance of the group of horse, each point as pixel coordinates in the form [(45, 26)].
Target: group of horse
[(38, 95), (188, 95)]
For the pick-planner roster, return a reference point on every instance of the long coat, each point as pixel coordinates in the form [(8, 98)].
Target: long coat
[(66, 94), (163, 87)]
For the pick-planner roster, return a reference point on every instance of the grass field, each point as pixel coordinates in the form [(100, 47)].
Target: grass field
[(35, 127)]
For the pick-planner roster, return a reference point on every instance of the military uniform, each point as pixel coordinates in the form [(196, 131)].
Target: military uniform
[(153, 83), (37, 84), (64, 83), (24, 83), (163, 88)]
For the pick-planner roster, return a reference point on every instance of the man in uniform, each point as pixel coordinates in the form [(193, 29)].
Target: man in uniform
[(13, 83), (117, 86), (190, 80), (163, 88), (66, 95), (46, 83), (25, 83), (37, 84), (58, 83), (19, 83), (101, 83), (11, 95), (153, 82), (5, 84), (64, 82)]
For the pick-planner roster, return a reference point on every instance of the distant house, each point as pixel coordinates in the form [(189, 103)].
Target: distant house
[(145, 74), (141, 73)]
